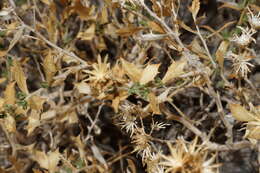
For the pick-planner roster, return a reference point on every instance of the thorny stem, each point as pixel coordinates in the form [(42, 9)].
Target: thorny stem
[(205, 46), (217, 99), (210, 145), (175, 36), (50, 43), (55, 46)]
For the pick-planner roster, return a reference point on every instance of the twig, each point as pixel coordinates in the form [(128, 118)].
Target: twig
[(210, 145), (50, 43), (205, 46)]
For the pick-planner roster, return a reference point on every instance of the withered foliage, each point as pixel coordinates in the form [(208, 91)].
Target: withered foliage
[(129, 86)]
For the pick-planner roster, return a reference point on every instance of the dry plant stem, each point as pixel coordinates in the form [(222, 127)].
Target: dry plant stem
[(217, 99), (39, 68), (93, 122), (205, 46), (175, 36), (252, 86), (55, 46), (50, 43), (172, 34), (258, 147), (210, 145), (10, 138)]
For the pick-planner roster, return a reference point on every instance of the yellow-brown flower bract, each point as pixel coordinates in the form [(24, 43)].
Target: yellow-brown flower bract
[(241, 64), (245, 38), (188, 158), (100, 73), (103, 78), (254, 20), (142, 143)]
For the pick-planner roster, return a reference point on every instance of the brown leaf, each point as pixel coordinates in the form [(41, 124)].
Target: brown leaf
[(33, 121), (175, 70), (220, 53), (132, 70), (19, 76), (9, 94), (131, 165), (2, 103), (2, 80), (10, 124), (47, 2), (104, 16), (240, 113), (17, 37), (149, 73), (48, 161), (85, 13), (156, 27), (36, 102), (253, 130), (194, 9), (83, 88), (128, 31), (154, 103), (88, 34), (116, 101), (49, 67)]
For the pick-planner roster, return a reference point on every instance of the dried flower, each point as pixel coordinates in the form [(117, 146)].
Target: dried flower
[(100, 72), (99, 77), (158, 126), (142, 143), (254, 20), (241, 63), (188, 158), (245, 38), (128, 116), (153, 163)]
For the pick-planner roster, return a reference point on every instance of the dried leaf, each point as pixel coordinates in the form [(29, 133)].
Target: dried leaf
[(48, 161), (33, 121), (10, 124), (83, 88), (154, 103), (85, 13), (131, 166), (220, 53), (48, 115), (194, 9), (2, 80), (149, 73), (175, 70), (98, 155), (10, 94), (16, 38), (88, 34), (49, 67), (116, 101), (156, 27), (47, 2), (19, 76), (240, 113), (132, 70), (198, 49), (71, 117), (104, 16), (36, 102), (128, 31), (253, 131), (186, 27), (2, 102)]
